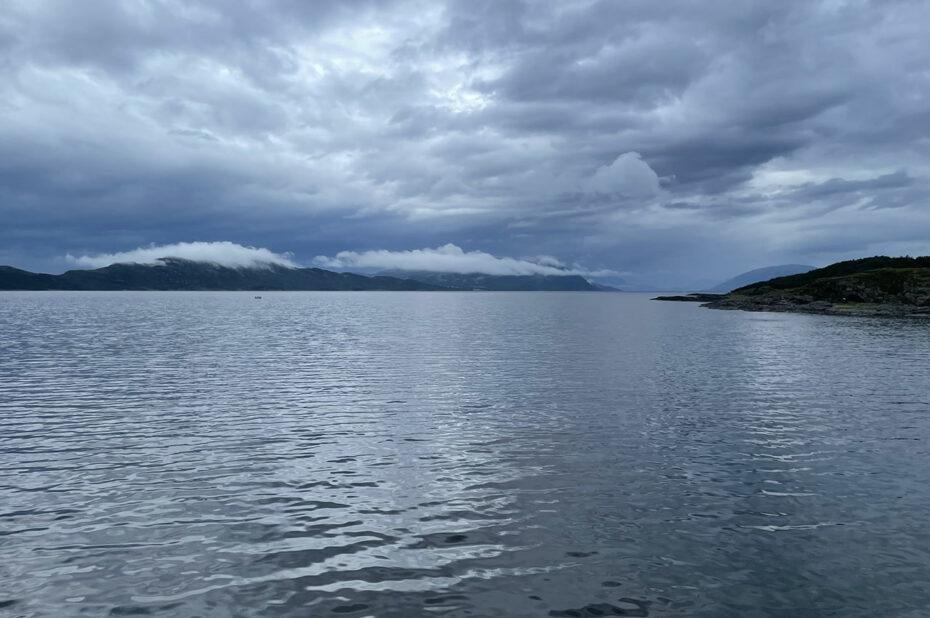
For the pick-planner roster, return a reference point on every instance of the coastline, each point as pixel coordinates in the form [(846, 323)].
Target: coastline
[(783, 304)]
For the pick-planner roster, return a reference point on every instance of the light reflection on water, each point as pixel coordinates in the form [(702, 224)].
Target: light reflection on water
[(473, 454)]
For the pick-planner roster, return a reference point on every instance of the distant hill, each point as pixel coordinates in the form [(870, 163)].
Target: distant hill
[(869, 286), (600, 287), (179, 274), (760, 274), (499, 283)]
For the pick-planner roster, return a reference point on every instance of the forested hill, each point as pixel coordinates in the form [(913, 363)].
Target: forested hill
[(869, 286)]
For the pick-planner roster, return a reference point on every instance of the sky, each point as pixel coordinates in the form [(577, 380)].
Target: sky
[(663, 144)]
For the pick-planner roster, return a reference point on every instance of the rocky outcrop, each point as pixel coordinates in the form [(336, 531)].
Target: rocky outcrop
[(692, 298), (806, 305), (879, 286)]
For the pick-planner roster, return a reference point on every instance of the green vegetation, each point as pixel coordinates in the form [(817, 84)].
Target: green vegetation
[(887, 265), (870, 286)]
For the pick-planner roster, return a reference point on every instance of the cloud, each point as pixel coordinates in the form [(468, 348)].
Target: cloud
[(628, 176), (653, 137), (447, 259), (224, 253)]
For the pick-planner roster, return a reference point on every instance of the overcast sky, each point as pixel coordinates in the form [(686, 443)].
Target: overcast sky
[(669, 143)]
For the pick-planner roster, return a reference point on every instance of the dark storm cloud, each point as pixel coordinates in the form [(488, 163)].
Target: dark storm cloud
[(667, 140), (840, 186)]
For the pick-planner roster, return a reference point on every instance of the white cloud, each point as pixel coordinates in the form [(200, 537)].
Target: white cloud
[(225, 253), (628, 175), (448, 258), (548, 260)]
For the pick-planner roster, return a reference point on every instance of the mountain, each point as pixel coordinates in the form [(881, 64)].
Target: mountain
[(499, 283), (600, 287), (880, 285), (760, 274), (178, 274)]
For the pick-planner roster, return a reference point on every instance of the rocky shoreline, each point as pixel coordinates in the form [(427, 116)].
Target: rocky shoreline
[(695, 297), (879, 286), (789, 304)]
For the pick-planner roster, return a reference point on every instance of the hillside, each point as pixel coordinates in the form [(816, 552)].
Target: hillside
[(498, 283), (869, 286), (178, 274), (760, 274)]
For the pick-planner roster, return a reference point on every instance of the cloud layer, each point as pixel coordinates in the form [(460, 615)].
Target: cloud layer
[(675, 140), (223, 253), (447, 259)]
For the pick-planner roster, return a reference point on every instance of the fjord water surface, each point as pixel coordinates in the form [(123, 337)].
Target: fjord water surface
[(457, 454)]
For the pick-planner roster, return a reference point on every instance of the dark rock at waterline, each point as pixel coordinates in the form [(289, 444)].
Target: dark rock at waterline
[(692, 298)]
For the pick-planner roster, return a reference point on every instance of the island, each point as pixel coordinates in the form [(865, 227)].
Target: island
[(873, 286)]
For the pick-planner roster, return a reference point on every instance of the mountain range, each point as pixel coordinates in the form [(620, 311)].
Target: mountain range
[(179, 274), (170, 273), (481, 281)]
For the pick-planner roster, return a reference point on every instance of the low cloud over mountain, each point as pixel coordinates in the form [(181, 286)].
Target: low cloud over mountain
[(223, 253), (450, 258)]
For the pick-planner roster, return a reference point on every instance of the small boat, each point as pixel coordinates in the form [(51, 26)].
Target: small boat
[(258, 298)]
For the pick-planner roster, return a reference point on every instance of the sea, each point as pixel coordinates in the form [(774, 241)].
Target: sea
[(475, 454)]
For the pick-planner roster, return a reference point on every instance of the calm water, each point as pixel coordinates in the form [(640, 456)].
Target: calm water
[(445, 454)]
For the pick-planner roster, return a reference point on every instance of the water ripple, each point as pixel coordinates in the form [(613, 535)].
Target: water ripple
[(457, 455)]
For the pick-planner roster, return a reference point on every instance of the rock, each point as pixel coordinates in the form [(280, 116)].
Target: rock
[(692, 298)]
